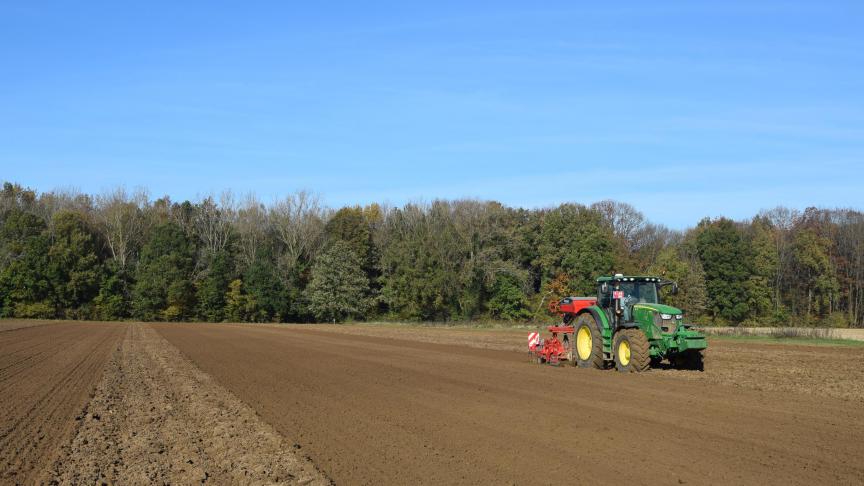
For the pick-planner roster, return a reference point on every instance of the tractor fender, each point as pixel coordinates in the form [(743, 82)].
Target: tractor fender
[(628, 325), (601, 323)]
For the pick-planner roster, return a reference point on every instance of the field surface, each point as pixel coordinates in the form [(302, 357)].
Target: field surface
[(408, 406), (47, 373), (135, 403), (113, 403)]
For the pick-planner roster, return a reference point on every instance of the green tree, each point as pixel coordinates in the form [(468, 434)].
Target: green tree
[(112, 302), (338, 289), (163, 288), (420, 263), (210, 292), (672, 263), (764, 261), (25, 282), (350, 225), (179, 300), (508, 300), (264, 287), (69, 255), (576, 241), (74, 267), (240, 306), (724, 257), (816, 282), (355, 226)]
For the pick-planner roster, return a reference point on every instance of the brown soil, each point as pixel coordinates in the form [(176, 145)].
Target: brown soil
[(829, 371), (47, 374), (157, 419), (12, 324), (384, 404), (374, 409)]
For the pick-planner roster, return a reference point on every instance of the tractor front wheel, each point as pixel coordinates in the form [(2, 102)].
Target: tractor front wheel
[(588, 342), (631, 351)]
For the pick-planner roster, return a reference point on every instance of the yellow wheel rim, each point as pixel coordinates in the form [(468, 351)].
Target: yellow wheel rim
[(624, 352), (584, 343)]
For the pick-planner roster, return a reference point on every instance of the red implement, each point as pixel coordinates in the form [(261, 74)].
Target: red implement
[(553, 350), (571, 305)]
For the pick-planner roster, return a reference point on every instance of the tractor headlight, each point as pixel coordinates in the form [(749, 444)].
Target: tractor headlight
[(665, 317), (679, 316)]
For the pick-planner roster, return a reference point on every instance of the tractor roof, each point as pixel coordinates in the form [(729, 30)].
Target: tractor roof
[(634, 278)]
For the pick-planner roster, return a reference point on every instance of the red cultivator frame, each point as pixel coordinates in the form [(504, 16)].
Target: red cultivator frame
[(553, 351)]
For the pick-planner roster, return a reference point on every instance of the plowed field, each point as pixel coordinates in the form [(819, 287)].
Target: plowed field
[(47, 373), (402, 408), (113, 403), (120, 403)]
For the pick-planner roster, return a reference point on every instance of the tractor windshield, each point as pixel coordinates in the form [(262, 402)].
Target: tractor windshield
[(639, 293)]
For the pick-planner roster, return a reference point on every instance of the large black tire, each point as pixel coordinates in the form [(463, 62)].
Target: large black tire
[(693, 360), (587, 330), (631, 351)]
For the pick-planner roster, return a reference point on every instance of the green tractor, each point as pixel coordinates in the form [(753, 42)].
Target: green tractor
[(626, 324)]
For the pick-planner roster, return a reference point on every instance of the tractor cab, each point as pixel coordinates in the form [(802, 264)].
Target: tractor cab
[(618, 295)]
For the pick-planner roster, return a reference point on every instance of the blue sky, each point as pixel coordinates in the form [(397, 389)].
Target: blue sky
[(683, 109)]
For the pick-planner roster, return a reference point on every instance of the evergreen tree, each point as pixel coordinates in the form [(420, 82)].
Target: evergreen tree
[(163, 289), (113, 300), (508, 300), (74, 266), (574, 240), (211, 289), (263, 287), (420, 263), (350, 225), (25, 282), (723, 254), (338, 289)]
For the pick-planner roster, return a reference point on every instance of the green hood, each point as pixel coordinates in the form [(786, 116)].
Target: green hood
[(661, 308)]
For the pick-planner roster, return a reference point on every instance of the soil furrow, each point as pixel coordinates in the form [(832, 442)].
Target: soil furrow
[(155, 418), (42, 401), (43, 404)]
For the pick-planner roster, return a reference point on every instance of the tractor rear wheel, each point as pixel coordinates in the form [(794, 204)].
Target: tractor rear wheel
[(588, 342), (631, 351)]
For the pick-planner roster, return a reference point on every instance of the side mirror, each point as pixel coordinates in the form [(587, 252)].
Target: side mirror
[(674, 288), (604, 287)]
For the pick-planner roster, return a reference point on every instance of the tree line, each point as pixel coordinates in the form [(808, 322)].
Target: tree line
[(121, 255)]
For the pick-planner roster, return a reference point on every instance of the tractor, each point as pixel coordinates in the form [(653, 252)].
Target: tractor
[(626, 325)]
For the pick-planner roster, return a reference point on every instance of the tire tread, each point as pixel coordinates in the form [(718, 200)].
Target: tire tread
[(640, 356)]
